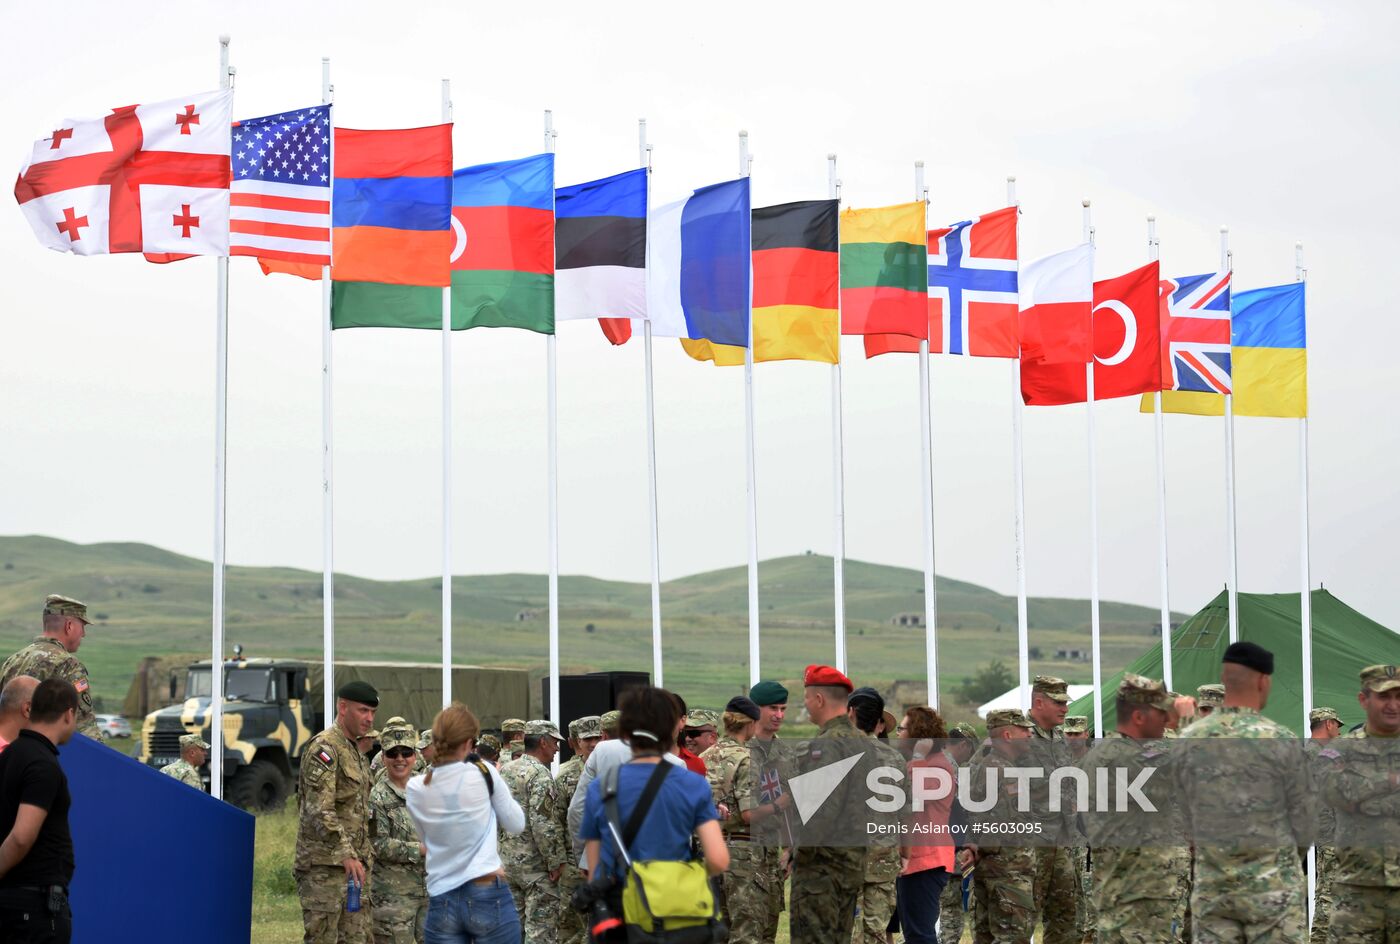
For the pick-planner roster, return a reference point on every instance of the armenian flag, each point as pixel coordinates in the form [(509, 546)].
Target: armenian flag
[(796, 277), (884, 271), (503, 251), (391, 227)]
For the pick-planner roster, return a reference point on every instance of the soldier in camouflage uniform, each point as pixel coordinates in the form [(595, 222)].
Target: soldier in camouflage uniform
[(729, 770), (1057, 886), (376, 766), (1005, 876), (333, 829), (51, 655), (512, 739), (583, 737), (962, 747), (1076, 730), (535, 859), (1209, 698), (1134, 890), (1324, 724), (194, 751), (768, 821), (1362, 783), (1248, 884), (866, 709), (400, 883)]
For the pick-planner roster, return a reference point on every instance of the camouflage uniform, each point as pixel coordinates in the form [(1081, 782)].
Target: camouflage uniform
[(539, 849), (45, 658), (571, 930), (515, 748), (1326, 854), (1252, 889), (729, 770), (1135, 890), (182, 770), (826, 880), (400, 882), (882, 866), (1362, 783), (1004, 909), (1057, 879), (334, 825), (770, 835)]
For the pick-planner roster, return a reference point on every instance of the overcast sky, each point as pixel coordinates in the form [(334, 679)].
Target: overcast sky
[(1276, 118)]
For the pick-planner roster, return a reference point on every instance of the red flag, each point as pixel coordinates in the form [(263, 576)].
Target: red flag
[(616, 330), (1127, 346), (1056, 296)]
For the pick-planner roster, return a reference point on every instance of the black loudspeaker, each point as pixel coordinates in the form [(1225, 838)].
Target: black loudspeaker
[(591, 694)]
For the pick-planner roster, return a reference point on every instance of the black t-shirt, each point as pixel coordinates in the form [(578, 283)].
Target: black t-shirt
[(29, 773)]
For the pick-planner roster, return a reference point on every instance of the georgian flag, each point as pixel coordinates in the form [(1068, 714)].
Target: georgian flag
[(145, 178)]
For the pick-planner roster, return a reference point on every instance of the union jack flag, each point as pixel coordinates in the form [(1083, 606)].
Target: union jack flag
[(770, 786), (1196, 333)]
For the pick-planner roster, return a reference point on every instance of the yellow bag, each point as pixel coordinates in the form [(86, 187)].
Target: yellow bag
[(668, 897)]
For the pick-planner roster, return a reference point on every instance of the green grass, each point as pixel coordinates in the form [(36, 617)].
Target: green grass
[(151, 602), (276, 913)]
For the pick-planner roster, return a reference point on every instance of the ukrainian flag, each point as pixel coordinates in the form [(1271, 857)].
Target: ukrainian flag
[(1269, 358)]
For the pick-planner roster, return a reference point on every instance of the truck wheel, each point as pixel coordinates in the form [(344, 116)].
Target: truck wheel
[(258, 787)]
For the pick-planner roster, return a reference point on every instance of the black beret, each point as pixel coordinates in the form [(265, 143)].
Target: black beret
[(359, 691), (866, 693), (1250, 655), (744, 706)]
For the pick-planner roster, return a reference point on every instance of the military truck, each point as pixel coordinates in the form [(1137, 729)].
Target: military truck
[(272, 707)]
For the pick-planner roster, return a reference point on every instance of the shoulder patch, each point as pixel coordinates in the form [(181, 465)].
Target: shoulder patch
[(81, 685), (1330, 753), (324, 756)]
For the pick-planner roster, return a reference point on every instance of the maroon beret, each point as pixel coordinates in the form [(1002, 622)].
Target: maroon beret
[(826, 675)]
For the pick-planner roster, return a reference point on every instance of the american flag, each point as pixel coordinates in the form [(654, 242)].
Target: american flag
[(280, 207), (1195, 317)]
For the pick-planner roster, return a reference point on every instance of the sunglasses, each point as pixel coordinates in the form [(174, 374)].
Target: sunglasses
[(398, 753)]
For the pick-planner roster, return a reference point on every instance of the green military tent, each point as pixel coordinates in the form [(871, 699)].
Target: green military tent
[(1344, 642)]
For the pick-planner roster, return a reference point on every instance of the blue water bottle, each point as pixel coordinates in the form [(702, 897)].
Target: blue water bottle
[(352, 895)]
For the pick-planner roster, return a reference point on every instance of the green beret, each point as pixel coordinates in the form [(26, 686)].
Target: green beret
[(359, 691), (768, 693)]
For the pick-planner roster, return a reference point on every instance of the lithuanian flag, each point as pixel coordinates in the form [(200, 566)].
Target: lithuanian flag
[(796, 273), (884, 271)]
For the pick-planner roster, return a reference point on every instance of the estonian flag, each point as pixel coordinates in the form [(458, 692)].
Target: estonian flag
[(600, 248)]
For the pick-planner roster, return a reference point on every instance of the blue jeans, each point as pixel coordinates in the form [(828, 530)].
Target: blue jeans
[(473, 914)]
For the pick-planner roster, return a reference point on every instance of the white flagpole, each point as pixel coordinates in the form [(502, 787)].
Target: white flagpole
[(1154, 252), (1231, 530), (216, 665), (838, 463), (553, 409), (327, 455), (446, 460), (1093, 512), (926, 486), (1023, 632), (644, 156), (754, 665), (1300, 274)]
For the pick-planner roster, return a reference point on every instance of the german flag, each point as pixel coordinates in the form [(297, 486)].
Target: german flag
[(796, 279)]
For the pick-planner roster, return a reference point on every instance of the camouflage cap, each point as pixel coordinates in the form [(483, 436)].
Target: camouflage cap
[(1075, 724), (425, 738), (398, 733), (610, 720), (1002, 717), (541, 728), (1141, 690), (1380, 678), (512, 726), (702, 718), (372, 734), (966, 730), (1055, 689), (589, 726), (1211, 696), (58, 605), (489, 741), (1323, 714), (193, 740)]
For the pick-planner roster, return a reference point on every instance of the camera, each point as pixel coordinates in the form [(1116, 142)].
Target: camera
[(594, 901)]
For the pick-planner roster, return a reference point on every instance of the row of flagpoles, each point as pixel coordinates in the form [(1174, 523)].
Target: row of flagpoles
[(226, 74)]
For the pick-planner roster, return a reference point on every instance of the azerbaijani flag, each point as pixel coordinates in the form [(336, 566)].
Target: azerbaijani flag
[(796, 277), (391, 227), (503, 245), (884, 271)]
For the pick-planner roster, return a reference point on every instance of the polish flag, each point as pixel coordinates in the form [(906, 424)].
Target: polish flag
[(1056, 300)]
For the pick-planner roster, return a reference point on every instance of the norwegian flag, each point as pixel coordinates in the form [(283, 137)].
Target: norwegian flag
[(1195, 319), (146, 178), (972, 291)]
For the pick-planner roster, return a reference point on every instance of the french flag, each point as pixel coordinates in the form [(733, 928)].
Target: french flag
[(698, 254), (1056, 296)]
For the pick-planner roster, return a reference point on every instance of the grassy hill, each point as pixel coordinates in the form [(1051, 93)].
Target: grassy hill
[(146, 601)]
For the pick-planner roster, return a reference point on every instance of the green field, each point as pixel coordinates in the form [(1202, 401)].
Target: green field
[(148, 602)]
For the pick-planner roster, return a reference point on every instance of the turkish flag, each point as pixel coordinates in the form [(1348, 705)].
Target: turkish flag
[(1127, 346)]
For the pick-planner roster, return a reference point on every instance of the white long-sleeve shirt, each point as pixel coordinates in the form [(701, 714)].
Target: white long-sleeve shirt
[(456, 818)]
